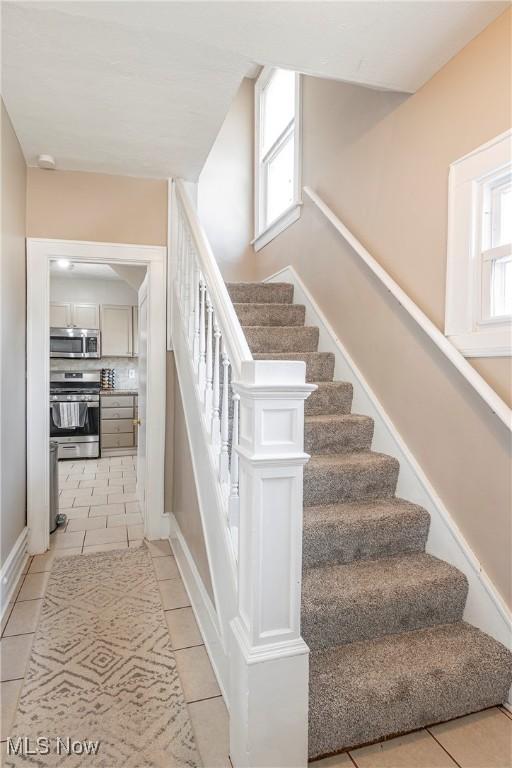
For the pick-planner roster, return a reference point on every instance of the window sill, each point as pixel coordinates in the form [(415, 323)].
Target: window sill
[(485, 342), (288, 217)]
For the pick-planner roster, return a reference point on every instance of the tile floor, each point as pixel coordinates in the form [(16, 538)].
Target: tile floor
[(98, 497), (207, 710), (482, 740)]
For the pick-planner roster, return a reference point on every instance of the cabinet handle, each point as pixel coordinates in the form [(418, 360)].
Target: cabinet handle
[(136, 422)]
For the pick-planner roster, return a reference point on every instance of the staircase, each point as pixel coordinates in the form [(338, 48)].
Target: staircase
[(382, 618)]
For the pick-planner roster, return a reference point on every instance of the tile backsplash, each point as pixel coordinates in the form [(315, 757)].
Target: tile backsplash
[(121, 365)]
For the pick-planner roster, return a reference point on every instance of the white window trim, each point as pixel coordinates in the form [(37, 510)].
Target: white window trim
[(264, 235), (464, 326)]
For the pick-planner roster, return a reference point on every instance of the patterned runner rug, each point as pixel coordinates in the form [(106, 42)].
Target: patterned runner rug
[(102, 670)]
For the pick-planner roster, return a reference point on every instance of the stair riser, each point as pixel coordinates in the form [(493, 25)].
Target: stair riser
[(376, 613), (329, 398), (319, 365), (344, 542), (331, 486), (271, 314), (293, 339), (365, 706), (338, 437), (261, 293)]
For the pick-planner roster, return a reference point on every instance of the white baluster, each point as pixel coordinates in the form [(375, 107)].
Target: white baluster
[(216, 385), (201, 372), (186, 256), (234, 498), (224, 420), (179, 260), (197, 299), (191, 296), (208, 394)]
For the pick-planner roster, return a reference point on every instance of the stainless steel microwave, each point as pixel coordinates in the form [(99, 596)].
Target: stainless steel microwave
[(75, 342)]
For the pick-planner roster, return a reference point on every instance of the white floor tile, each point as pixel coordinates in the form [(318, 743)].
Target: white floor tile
[(136, 531), (107, 509), (104, 547), (86, 524), (106, 536)]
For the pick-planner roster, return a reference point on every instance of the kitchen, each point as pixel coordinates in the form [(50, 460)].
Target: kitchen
[(94, 378)]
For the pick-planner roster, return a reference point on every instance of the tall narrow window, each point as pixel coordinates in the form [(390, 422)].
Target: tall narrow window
[(277, 153)]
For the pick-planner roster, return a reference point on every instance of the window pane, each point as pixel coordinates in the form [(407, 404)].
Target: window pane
[(504, 202), (278, 105), (280, 181), (501, 287)]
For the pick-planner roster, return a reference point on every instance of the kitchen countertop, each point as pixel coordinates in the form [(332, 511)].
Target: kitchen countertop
[(119, 391)]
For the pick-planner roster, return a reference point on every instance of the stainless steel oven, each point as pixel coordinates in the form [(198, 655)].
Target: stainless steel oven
[(75, 342), (75, 393)]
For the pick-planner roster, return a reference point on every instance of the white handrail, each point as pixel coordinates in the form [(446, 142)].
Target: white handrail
[(495, 403), (233, 336)]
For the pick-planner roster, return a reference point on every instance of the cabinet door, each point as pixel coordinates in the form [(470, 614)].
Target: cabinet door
[(60, 315), (116, 331), (86, 315), (135, 331)]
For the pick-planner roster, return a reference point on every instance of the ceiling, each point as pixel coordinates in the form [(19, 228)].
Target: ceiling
[(142, 88)]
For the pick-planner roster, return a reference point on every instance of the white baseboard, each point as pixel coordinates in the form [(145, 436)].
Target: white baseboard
[(202, 606), (485, 608), (12, 569)]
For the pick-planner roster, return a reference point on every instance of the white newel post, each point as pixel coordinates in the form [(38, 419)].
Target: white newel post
[(269, 659)]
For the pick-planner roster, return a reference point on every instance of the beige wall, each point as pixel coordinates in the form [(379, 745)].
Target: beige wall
[(72, 205), (381, 162), (180, 489), (13, 325), (225, 189)]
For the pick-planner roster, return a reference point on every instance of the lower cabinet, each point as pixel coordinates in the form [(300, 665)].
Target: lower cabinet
[(118, 428)]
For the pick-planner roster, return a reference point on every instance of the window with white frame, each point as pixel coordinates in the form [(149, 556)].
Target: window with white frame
[(479, 266), (277, 153)]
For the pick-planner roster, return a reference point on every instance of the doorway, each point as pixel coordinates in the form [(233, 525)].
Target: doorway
[(151, 433)]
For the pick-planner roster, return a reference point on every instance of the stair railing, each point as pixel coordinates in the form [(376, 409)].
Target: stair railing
[(247, 417)]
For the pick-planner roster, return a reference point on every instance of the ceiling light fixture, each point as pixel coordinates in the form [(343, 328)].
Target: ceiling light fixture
[(64, 263)]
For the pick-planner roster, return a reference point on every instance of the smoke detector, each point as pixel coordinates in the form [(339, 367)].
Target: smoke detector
[(47, 162)]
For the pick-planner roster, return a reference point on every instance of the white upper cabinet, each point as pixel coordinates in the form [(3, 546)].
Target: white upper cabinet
[(116, 330), (74, 315), (60, 315), (135, 331), (86, 315)]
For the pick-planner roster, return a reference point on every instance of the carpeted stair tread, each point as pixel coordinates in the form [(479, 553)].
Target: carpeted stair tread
[(270, 314), (337, 433), (260, 293), (330, 397), (361, 530), (369, 598), (389, 650), (333, 478), (293, 338), (319, 365), (364, 691)]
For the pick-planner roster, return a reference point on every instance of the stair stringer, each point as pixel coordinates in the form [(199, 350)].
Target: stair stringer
[(485, 608), (213, 619)]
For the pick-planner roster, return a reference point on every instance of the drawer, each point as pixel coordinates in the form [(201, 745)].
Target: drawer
[(113, 426), (117, 441), (116, 401), (116, 413)]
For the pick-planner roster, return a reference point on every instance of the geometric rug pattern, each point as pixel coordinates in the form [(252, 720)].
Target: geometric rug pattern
[(102, 669)]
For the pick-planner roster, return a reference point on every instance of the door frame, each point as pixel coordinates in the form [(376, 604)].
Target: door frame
[(39, 254)]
